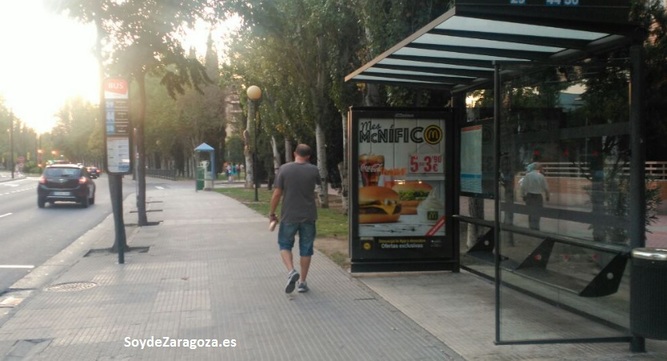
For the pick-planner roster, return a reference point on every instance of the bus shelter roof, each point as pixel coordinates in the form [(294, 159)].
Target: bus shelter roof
[(459, 50)]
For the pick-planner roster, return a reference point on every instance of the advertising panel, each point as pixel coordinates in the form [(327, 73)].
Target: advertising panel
[(471, 159), (477, 160), (399, 171)]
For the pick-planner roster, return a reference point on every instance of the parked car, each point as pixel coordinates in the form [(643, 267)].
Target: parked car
[(65, 183), (94, 172)]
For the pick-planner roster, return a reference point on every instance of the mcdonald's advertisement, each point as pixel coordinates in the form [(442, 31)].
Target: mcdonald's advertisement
[(398, 169)]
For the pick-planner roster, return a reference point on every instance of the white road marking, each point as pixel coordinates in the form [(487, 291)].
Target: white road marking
[(25, 266), (5, 215)]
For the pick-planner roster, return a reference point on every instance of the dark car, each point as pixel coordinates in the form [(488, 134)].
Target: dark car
[(94, 172), (65, 183)]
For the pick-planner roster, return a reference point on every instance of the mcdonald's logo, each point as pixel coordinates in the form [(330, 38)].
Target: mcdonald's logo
[(433, 134)]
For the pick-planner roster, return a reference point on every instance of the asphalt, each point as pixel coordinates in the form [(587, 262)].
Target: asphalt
[(207, 281)]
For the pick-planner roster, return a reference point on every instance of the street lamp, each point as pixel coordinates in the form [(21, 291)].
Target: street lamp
[(254, 95)]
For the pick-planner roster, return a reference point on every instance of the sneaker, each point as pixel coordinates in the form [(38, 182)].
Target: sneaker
[(302, 287), (292, 277)]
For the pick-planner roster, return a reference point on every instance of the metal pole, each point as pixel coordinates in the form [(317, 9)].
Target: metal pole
[(40, 152), (250, 175), (11, 142), (116, 190), (637, 209), (496, 188), (254, 153), (254, 94)]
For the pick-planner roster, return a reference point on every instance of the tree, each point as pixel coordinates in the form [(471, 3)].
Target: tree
[(300, 44), (653, 16), (140, 38), (76, 126), (385, 23)]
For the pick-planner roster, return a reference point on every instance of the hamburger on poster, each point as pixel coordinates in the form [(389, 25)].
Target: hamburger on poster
[(411, 193), (378, 205)]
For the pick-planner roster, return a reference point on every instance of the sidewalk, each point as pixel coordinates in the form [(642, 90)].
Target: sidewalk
[(210, 271), (6, 176)]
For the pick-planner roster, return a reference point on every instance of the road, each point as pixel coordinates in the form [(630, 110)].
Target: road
[(29, 236)]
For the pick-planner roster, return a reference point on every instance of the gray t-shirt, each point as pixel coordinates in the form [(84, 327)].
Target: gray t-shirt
[(298, 181)]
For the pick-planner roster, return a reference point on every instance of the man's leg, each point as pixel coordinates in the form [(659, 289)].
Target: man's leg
[(305, 265), (286, 234), (288, 259), (534, 201), (534, 222), (306, 243)]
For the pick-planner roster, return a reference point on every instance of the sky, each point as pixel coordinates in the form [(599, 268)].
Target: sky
[(47, 59)]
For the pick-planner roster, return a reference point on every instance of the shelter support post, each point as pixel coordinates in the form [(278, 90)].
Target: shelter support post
[(497, 102), (637, 208)]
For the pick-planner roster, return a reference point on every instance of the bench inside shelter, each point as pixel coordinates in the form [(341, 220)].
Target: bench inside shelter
[(534, 263)]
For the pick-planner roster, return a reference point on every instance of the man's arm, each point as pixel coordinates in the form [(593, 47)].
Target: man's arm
[(275, 200), (546, 188)]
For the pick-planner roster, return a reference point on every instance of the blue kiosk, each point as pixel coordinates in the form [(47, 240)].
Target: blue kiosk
[(206, 183)]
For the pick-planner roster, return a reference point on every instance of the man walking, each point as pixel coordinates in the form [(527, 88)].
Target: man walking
[(532, 187), (295, 185)]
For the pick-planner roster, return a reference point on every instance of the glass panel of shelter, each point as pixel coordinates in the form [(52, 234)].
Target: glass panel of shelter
[(571, 128)]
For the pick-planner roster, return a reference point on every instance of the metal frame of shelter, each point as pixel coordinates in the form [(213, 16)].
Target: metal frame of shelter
[(482, 44)]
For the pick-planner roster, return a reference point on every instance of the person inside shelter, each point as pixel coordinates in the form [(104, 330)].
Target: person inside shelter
[(533, 185)]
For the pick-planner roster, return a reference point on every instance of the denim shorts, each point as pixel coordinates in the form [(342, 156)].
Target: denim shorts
[(306, 231)]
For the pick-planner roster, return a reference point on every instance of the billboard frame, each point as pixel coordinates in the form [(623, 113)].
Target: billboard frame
[(414, 242)]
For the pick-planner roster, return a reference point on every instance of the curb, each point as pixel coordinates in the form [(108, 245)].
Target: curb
[(42, 275)]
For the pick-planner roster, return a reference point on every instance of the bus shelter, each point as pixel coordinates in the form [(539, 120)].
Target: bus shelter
[(581, 63)]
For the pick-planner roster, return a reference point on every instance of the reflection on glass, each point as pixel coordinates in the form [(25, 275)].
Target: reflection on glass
[(570, 254)]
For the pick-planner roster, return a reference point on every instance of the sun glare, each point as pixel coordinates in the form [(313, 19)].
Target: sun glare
[(46, 60), (197, 38)]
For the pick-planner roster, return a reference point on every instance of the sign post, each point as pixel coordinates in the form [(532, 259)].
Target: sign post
[(118, 150), (117, 126)]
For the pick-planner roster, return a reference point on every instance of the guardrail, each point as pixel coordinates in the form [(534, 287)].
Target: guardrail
[(162, 173), (656, 170)]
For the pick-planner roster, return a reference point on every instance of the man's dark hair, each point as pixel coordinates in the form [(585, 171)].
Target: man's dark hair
[(303, 150)]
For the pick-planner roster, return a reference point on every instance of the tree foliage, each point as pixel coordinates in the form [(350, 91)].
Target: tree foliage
[(652, 14), (385, 23), (78, 133), (143, 37), (20, 137), (298, 52)]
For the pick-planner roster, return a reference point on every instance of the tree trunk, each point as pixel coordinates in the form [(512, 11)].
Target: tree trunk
[(342, 167), (276, 155), (322, 164), (371, 95), (289, 156), (141, 153), (476, 209)]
